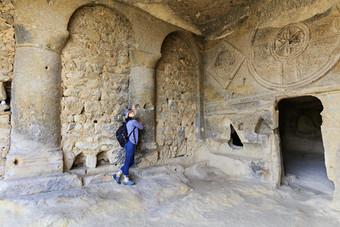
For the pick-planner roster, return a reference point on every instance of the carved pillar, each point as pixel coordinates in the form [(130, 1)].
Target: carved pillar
[(142, 90), (35, 137)]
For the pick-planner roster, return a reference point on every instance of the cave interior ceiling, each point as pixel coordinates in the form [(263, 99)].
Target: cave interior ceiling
[(219, 18)]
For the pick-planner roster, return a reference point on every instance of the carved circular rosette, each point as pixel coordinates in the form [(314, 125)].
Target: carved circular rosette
[(223, 62), (290, 41)]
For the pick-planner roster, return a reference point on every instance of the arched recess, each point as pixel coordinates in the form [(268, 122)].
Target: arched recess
[(95, 81), (178, 96)]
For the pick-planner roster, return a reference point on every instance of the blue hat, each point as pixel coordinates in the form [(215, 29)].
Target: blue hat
[(126, 113)]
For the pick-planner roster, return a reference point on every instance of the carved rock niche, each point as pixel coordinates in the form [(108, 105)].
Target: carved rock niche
[(295, 55)]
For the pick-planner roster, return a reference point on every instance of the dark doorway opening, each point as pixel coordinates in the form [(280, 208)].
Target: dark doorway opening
[(301, 144)]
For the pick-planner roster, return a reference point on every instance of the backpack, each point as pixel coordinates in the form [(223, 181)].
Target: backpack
[(121, 134)]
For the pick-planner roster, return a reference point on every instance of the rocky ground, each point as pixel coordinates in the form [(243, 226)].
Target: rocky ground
[(173, 195)]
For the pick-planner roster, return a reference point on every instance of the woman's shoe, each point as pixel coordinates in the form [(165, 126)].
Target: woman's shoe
[(129, 182), (116, 178)]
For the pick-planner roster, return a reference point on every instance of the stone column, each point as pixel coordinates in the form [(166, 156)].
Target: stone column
[(35, 105), (34, 163), (142, 90)]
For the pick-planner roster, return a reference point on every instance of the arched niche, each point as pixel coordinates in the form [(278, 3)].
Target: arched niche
[(178, 103), (96, 66)]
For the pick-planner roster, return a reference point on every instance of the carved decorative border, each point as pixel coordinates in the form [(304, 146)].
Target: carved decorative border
[(322, 71)]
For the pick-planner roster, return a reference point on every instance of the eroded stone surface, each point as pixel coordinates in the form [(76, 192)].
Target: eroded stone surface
[(172, 195)]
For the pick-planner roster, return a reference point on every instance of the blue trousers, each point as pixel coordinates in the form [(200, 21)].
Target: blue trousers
[(129, 157)]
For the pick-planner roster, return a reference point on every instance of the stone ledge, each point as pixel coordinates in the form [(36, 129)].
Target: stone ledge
[(39, 184)]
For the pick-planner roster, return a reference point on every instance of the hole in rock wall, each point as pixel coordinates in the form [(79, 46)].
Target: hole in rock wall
[(301, 144), (235, 141), (146, 106), (79, 161), (102, 159)]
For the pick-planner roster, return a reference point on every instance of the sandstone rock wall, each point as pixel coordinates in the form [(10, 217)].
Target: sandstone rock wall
[(176, 86), (250, 71), (246, 75), (95, 83), (7, 50)]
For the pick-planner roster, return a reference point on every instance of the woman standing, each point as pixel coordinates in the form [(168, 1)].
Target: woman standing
[(132, 127)]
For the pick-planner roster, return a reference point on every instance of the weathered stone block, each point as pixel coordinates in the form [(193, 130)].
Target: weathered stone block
[(91, 94), (86, 146), (68, 145), (70, 118), (91, 161), (21, 163), (72, 105), (4, 119), (77, 128), (70, 126), (70, 93), (89, 127), (3, 94), (35, 185), (93, 107)]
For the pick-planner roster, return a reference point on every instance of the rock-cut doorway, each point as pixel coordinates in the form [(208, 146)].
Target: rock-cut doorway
[(301, 144)]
